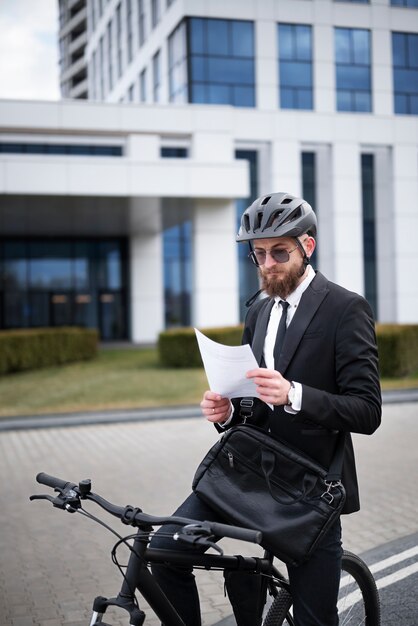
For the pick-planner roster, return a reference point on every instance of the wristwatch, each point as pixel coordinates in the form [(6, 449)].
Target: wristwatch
[(291, 394)]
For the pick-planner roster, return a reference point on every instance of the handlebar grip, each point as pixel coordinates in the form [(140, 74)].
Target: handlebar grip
[(51, 481), (245, 534)]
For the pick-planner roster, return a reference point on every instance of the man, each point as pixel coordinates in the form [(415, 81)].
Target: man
[(321, 380)]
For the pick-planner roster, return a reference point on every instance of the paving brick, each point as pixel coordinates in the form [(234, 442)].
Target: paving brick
[(53, 564)]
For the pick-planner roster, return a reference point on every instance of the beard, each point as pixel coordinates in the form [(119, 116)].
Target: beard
[(281, 283)]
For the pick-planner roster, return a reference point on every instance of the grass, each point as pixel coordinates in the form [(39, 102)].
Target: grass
[(117, 379)]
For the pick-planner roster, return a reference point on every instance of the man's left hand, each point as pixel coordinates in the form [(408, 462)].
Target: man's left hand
[(272, 388)]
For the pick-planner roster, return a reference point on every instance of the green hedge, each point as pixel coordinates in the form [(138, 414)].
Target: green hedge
[(397, 343), (398, 349), (178, 347), (43, 347)]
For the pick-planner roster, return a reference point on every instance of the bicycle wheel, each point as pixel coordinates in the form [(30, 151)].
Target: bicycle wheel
[(358, 599)]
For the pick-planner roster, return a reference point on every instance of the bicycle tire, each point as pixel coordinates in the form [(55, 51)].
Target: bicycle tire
[(358, 601)]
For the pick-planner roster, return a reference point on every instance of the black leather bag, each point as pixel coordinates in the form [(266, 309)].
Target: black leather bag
[(254, 480)]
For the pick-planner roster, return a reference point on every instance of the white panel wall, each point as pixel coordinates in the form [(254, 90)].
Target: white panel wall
[(215, 292)]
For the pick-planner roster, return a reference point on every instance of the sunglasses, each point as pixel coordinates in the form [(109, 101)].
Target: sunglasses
[(279, 255)]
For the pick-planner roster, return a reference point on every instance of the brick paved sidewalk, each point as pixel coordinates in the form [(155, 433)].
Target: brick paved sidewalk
[(52, 564)]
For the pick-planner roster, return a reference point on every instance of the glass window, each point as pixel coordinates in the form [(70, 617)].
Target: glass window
[(15, 266), (156, 76), (248, 277), (369, 230), (353, 69), (309, 188), (143, 86), (129, 29), (141, 22), (155, 12), (295, 66), (177, 251), (110, 265), (167, 152), (221, 67), (49, 282), (50, 266), (110, 54), (177, 64), (405, 72), (119, 38), (404, 3)]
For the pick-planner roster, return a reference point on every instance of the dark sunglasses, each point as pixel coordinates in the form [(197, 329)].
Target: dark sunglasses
[(280, 255)]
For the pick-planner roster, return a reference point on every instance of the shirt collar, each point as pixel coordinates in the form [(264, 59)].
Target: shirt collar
[(294, 298)]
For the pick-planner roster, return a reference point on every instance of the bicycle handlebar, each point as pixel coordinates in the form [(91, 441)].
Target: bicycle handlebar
[(136, 517), (55, 483)]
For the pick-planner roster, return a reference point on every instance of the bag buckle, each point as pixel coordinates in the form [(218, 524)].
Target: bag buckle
[(327, 495), (246, 406)]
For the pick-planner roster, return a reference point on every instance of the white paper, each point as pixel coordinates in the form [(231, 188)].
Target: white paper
[(226, 367)]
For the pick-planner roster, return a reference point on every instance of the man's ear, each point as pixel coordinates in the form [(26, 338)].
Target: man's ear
[(310, 245)]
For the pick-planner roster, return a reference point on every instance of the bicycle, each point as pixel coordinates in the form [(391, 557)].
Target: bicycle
[(358, 602)]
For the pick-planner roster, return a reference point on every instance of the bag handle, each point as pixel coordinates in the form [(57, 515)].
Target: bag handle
[(267, 465), (336, 467)]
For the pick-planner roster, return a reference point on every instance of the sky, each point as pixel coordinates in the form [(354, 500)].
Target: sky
[(29, 49)]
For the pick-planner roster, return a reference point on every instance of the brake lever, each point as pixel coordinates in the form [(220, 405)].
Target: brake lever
[(196, 539), (66, 500)]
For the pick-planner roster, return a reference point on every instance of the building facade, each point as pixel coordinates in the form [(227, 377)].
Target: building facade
[(121, 212)]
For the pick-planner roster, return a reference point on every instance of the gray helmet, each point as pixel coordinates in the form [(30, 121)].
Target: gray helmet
[(277, 215)]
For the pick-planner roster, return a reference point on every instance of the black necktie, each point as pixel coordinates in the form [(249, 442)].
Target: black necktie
[(281, 331)]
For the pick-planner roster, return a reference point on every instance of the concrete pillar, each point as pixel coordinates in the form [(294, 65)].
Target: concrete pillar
[(385, 235), (348, 225), (215, 266), (147, 292), (286, 168), (405, 177)]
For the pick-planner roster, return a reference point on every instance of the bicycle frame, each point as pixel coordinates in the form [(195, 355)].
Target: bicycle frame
[(138, 577)]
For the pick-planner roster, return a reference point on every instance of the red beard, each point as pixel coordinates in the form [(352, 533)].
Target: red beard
[(281, 283)]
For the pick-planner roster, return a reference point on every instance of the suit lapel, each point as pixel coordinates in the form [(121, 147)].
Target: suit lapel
[(261, 329), (308, 306)]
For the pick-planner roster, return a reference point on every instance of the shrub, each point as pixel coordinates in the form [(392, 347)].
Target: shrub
[(398, 349), (29, 349), (178, 347), (397, 344)]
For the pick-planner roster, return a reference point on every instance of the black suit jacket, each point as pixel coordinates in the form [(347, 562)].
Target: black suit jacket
[(330, 348)]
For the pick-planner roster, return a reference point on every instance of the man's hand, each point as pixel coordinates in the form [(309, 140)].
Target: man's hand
[(271, 386), (215, 407)]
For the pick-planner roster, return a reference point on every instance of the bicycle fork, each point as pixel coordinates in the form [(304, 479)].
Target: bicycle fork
[(138, 577)]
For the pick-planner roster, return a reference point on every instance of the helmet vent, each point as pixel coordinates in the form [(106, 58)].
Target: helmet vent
[(258, 219), (287, 200), (265, 200)]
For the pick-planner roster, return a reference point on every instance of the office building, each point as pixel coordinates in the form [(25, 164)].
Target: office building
[(121, 211)]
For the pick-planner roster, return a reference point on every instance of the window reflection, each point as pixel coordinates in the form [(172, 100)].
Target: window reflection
[(295, 66), (221, 62), (405, 72), (353, 69), (60, 282)]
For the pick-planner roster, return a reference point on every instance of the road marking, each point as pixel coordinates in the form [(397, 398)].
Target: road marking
[(355, 596), (395, 558), (385, 563)]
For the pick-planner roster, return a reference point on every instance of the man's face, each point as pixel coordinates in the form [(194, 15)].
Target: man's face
[(280, 279)]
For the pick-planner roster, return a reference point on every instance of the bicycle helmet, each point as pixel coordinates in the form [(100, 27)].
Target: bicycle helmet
[(277, 215)]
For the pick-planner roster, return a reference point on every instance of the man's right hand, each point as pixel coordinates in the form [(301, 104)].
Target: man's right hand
[(215, 408)]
